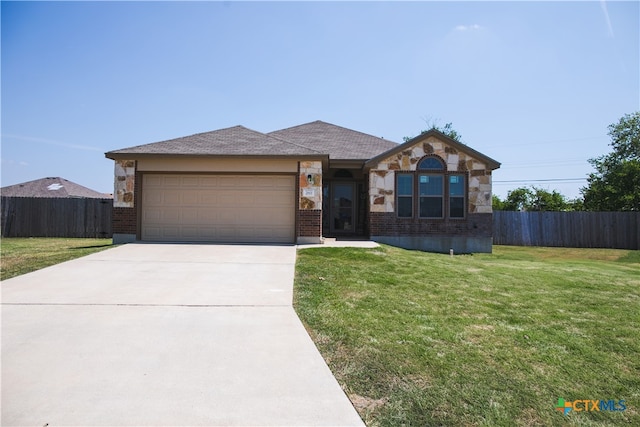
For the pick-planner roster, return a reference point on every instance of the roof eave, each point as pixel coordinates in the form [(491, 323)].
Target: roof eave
[(347, 163), (139, 156)]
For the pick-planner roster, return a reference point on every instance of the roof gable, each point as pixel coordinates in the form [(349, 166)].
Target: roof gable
[(336, 141), (491, 163), (233, 141), (52, 187)]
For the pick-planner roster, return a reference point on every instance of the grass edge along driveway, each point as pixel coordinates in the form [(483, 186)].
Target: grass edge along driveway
[(489, 339), (20, 255)]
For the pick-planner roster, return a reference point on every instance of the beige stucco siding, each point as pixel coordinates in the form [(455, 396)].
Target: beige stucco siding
[(176, 164)]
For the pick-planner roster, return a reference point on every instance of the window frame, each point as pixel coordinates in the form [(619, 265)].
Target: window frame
[(412, 196), (450, 197), (446, 196), (441, 196)]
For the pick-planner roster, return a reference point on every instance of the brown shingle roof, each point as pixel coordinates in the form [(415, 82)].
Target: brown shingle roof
[(311, 139), (51, 188), (336, 141), (233, 141)]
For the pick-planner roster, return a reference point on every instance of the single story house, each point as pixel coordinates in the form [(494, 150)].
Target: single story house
[(299, 184)]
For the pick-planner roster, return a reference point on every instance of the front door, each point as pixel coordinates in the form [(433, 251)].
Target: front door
[(343, 207)]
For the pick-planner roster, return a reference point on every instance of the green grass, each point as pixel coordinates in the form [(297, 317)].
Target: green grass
[(23, 255), (421, 339)]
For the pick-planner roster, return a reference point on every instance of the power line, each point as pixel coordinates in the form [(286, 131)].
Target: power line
[(545, 163), (542, 165), (554, 141), (524, 181)]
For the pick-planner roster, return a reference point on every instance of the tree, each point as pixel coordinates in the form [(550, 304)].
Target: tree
[(576, 204), (449, 131), (535, 199), (615, 186), (497, 204), (518, 200), (446, 129)]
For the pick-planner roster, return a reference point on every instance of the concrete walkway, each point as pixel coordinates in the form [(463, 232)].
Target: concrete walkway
[(161, 335), (341, 243)]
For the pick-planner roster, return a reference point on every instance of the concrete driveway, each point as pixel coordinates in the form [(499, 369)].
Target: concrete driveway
[(163, 334)]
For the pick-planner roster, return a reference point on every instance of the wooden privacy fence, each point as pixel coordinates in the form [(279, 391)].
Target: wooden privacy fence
[(56, 217), (619, 230)]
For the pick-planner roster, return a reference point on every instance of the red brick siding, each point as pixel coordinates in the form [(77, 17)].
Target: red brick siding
[(125, 220), (388, 224), (310, 223)]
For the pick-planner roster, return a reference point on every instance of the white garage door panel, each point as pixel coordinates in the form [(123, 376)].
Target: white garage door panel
[(218, 208)]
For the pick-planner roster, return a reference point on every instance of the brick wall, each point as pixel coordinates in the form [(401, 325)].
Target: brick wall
[(124, 220), (310, 223), (388, 224)]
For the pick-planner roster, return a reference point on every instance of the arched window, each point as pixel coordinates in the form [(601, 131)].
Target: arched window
[(430, 190), (431, 164)]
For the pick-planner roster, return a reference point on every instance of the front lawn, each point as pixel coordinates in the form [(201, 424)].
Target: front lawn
[(421, 339), (22, 255)]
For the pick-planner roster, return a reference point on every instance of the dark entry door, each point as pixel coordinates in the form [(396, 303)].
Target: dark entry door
[(343, 207)]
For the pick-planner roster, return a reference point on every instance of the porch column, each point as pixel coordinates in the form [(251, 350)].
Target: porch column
[(124, 210), (310, 203)]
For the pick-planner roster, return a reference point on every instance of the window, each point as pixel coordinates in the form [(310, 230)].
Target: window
[(405, 195), (431, 163), (432, 191), (456, 196), (431, 195)]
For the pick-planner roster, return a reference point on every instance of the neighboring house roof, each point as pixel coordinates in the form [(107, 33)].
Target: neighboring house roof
[(336, 141), (233, 141), (491, 163), (52, 188)]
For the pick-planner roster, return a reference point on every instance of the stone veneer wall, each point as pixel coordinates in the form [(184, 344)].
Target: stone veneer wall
[(382, 178), (471, 234), (124, 218), (310, 190), (309, 214), (124, 185)]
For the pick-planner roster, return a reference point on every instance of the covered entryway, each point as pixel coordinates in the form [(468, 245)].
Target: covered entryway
[(342, 207), (218, 208), (345, 208)]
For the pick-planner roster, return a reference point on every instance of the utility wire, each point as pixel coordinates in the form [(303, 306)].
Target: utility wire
[(541, 165), (537, 143), (520, 181)]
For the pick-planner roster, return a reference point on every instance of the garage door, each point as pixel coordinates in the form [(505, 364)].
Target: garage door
[(218, 208)]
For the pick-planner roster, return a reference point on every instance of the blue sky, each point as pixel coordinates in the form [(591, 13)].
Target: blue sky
[(532, 84)]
